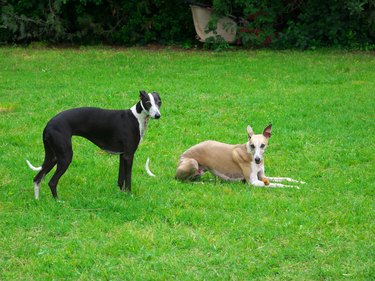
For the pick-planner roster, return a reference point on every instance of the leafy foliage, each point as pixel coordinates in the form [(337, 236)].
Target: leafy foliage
[(91, 21), (303, 24), (278, 23), (332, 23)]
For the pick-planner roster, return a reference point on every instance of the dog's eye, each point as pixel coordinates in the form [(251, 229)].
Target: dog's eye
[(262, 145), (252, 146)]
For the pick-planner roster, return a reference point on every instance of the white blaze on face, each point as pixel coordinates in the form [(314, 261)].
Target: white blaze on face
[(154, 109), (258, 151), (257, 146)]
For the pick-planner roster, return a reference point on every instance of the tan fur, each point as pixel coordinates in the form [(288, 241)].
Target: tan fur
[(230, 162), (211, 155)]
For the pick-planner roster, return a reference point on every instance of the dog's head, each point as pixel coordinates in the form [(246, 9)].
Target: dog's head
[(257, 144), (150, 103)]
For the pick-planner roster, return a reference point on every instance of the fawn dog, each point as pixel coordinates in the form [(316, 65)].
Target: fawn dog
[(231, 162)]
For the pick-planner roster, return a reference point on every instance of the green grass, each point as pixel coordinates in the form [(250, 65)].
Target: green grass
[(321, 105)]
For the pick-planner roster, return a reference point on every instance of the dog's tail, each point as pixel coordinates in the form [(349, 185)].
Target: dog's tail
[(32, 167), (148, 168)]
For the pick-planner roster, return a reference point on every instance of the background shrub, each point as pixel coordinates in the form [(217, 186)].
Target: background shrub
[(268, 23), (96, 21), (303, 24)]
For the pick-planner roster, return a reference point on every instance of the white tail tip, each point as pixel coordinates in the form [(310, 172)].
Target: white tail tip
[(148, 169), (32, 167)]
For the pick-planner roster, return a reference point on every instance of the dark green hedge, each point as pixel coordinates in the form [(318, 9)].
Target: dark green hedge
[(267, 23), (96, 21), (304, 24)]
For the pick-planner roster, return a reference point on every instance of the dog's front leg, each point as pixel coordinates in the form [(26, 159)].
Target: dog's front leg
[(244, 165), (256, 171), (257, 182), (265, 183), (262, 177), (254, 177), (258, 178), (280, 185), (260, 174), (266, 180), (121, 172), (280, 179), (128, 161)]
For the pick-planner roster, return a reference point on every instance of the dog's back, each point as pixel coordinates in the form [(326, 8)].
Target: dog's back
[(100, 126), (83, 120)]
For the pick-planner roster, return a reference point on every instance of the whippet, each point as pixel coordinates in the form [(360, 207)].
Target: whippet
[(115, 131), (230, 162)]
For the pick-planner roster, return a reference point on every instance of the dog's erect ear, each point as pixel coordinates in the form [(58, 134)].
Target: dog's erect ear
[(267, 131), (250, 132), (143, 93)]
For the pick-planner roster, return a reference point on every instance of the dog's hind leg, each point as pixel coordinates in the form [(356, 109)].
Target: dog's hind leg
[(62, 166), (188, 169), (46, 168), (64, 155), (48, 164)]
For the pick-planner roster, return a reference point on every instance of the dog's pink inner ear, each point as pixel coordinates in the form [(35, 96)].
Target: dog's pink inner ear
[(267, 131), (267, 135)]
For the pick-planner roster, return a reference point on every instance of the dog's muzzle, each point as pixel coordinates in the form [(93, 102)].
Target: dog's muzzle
[(257, 160)]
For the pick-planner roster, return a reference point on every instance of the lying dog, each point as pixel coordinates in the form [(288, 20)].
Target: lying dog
[(115, 131), (230, 162)]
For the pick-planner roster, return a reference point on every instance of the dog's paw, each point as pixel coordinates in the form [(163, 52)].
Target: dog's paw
[(265, 181)]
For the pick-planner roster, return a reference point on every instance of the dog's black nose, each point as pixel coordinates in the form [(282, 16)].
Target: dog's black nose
[(257, 160), (157, 116)]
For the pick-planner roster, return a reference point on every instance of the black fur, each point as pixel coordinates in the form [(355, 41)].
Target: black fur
[(116, 131)]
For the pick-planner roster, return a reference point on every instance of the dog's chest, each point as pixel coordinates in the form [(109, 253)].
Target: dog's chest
[(143, 125)]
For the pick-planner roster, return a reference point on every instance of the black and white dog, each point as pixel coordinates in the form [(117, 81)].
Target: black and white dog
[(115, 131)]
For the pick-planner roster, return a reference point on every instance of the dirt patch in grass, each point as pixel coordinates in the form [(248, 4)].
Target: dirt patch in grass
[(6, 109)]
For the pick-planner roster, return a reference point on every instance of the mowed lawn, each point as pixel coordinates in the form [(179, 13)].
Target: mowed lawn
[(321, 105)]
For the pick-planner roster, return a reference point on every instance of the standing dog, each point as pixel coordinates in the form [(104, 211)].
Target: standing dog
[(116, 131), (230, 162)]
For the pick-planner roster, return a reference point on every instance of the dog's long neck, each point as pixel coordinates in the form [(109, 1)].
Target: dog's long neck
[(142, 116)]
